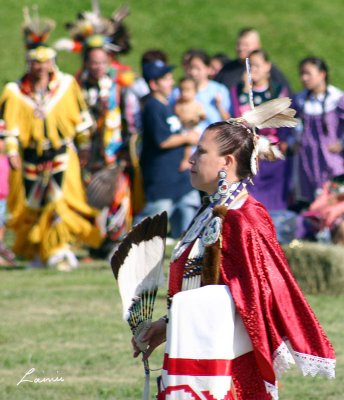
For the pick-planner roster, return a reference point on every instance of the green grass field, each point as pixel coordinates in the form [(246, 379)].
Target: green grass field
[(70, 326)]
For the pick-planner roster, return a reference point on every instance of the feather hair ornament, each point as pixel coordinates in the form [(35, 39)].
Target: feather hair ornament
[(137, 265), (271, 114), (275, 113), (36, 29)]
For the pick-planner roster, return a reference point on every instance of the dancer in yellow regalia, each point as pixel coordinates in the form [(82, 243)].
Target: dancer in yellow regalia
[(47, 128)]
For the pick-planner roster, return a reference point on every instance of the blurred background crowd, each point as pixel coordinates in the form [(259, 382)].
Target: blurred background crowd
[(85, 157)]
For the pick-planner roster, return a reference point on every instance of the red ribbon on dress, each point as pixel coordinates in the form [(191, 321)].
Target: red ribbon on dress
[(192, 367)]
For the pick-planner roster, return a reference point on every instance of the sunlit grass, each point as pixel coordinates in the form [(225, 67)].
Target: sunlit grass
[(70, 326)]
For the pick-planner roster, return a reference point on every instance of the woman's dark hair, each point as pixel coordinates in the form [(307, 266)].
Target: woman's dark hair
[(317, 62), (89, 49), (245, 31), (262, 53), (196, 53), (153, 55), (188, 79), (222, 57), (236, 139), (321, 65)]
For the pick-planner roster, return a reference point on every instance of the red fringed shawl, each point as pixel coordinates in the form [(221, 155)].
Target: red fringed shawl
[(281, 325), (270, 302)]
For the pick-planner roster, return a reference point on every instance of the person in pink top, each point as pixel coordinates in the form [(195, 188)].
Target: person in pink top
[(6, 255)]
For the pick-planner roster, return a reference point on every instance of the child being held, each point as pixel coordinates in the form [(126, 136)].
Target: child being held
[(187, 108), (190, 113)]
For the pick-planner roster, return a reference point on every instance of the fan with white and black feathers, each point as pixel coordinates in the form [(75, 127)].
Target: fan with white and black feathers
[(137, 265)]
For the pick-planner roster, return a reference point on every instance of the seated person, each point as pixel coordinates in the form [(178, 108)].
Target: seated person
[(324, 221)]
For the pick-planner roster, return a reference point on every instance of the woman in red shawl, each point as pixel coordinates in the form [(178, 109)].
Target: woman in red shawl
[(237, 318)]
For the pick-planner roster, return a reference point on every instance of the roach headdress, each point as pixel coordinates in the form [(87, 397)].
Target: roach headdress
[(91, 29), (36, 31)]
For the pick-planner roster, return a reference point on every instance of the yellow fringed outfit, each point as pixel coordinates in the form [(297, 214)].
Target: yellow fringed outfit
[(47, 203)]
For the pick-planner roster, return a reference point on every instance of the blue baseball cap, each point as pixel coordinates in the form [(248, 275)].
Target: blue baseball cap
[(155, 70)]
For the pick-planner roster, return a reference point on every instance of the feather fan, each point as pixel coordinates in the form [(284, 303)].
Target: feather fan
[(137, 266), (138, 262)]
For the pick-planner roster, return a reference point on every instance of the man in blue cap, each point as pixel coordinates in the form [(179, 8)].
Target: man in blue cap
[(165, 187)]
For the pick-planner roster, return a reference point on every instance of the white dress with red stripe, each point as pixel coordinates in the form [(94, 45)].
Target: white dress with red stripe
[(198, 361)]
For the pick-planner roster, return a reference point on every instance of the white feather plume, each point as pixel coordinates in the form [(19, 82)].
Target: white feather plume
[(272, 114), (267, 150), (95, 7)]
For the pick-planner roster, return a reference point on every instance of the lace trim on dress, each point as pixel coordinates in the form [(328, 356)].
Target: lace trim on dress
[(313, 365), (307, 363), (272, 390), (282, 358)]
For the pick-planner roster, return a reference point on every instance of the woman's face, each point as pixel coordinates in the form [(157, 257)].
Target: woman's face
[(260, 69), (206, 164), (197, 70), (311, 77), (215, 67)]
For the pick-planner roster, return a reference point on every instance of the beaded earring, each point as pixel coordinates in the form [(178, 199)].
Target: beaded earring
[(222, 184)]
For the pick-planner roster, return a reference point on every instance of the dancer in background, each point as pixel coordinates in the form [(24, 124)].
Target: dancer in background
[(109, 147), (47, 127), (105, 82)]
